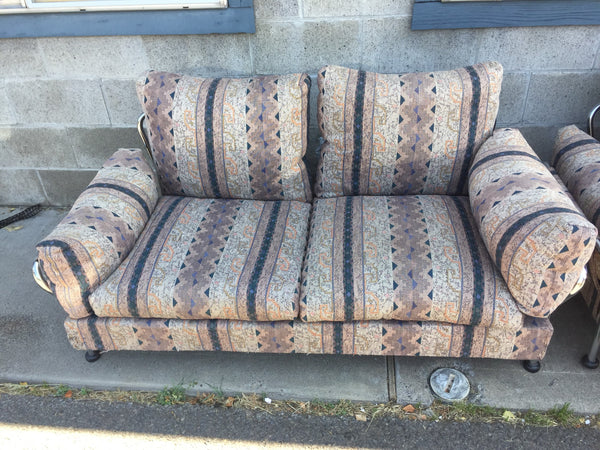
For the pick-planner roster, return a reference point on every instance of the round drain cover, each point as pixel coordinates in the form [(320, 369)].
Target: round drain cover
[(449, 384)]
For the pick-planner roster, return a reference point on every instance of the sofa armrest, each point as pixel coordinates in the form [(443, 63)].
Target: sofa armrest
[(536, 235), (99, 231)]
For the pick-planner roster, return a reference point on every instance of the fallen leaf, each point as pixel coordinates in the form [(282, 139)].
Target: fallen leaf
[(423, 417), (68, 394), (361, 417), (508, 415), (23, 383), (409, 409), (13, 228), (229, 402)]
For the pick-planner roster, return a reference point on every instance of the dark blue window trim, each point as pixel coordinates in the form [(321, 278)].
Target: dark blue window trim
[(435, 15), (237, 18)]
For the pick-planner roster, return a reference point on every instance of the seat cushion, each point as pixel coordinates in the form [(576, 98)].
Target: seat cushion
[(415, 258), (228, 138), (212, 259), (415, 133)]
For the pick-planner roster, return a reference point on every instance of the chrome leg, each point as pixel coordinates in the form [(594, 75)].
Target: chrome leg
[(591, 359)]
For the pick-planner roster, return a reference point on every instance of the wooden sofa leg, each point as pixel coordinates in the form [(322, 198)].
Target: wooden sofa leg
[(92, 355), (532, 365), (591, 359)]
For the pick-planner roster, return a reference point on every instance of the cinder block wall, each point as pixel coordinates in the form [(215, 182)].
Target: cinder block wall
[(67, 103)]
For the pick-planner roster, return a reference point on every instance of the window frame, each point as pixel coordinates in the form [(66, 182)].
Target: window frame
[(238, 17), (438, 15)]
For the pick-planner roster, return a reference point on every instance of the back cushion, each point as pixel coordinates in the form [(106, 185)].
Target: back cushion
[(228, 138), (403, 134)]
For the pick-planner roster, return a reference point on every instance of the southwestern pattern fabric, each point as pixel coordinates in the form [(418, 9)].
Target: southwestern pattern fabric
[(350, 338), (403, 134), (229, 138), (577, 160), (536, 235), (212, 259), (99, 231), (413, 258)]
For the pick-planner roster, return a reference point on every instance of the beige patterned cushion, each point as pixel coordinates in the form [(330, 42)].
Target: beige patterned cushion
[(415, 133), (412, 258), (229, 138), (535, 234), (99, 231), (212, 259)]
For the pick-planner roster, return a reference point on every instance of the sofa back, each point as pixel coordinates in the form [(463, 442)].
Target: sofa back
[(415, 133), (228, 138)]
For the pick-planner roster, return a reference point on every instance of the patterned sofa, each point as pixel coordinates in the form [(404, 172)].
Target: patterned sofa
[(429, 235), (577, 161)]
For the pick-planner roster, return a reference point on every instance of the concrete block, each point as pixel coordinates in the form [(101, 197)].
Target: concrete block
[(547, 48), (7, 115), (106, 56), (305, 46), (122, 102), (201, 55), (541, 139), (561, 98), (20, 187), (21, 58), (512, 98), (265, 9), (337, 8), (93, 146), (36, 147), (57, 102), (390, 46), (64, 186)]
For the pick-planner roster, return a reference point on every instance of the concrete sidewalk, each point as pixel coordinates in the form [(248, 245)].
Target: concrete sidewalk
[(34, 348)]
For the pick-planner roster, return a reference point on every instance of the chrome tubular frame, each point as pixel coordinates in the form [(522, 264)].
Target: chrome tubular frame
[(140, 127), (39, 279), (591, 116)]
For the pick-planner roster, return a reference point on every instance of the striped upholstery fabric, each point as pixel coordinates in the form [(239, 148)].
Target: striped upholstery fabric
[(212, 259), (229, 138), (536, 235), (412, 258), (99, 231), (403, 134), (350, 338), (577, 161)]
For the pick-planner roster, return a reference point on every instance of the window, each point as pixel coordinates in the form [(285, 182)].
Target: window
[(19, 18), (436, 14), (45, 6)]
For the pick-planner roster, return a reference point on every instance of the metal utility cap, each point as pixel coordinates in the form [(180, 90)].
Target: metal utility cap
[(449, 384)]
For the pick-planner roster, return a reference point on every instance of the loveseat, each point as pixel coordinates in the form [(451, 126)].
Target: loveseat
[(577, 162), (428, 235)]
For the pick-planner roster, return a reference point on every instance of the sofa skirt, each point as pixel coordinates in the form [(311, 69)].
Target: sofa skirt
[(384, 338)]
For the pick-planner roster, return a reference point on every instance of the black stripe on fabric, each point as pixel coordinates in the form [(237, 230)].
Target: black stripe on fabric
[(478, 275), (209, 137), (214, 335), (510, 232), (347, 263), (596, 216), (262, 259), (132, 289), (467, 343), (338, 338), (572, 146), (93, 327), (473, 119), (76, 268), (358, 130), (125, 191), (500, 155)]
